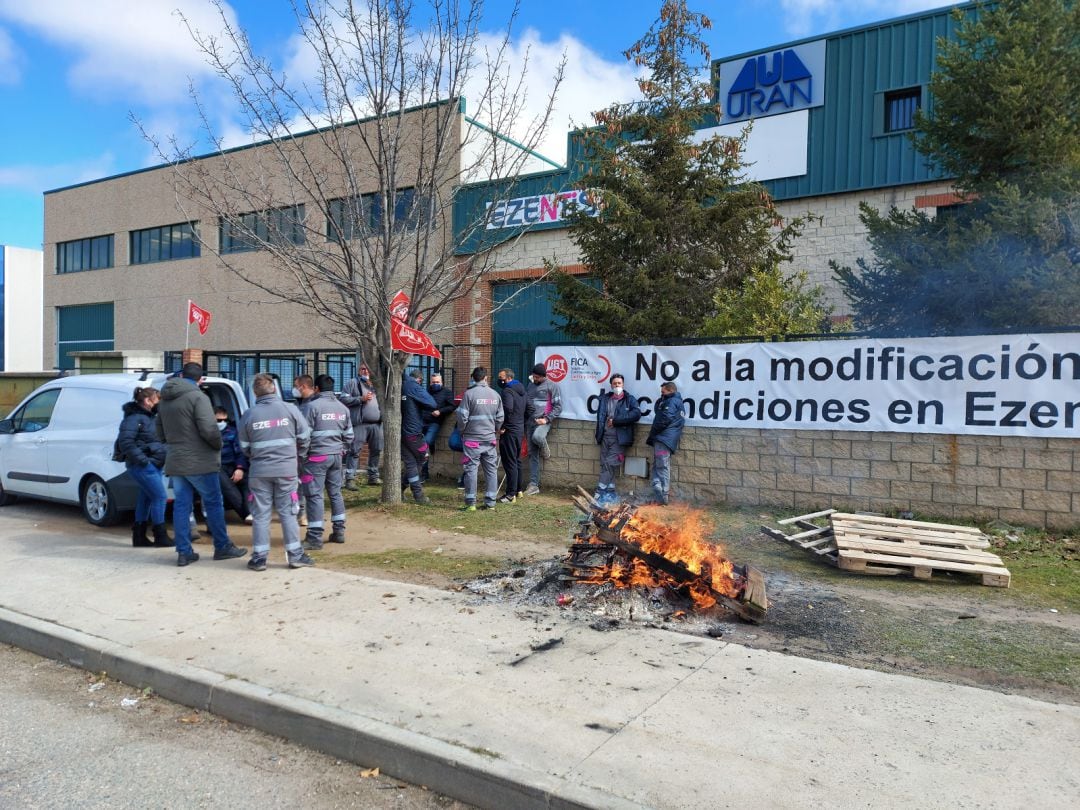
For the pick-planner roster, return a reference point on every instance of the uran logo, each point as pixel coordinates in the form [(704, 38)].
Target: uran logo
[(769, 80)]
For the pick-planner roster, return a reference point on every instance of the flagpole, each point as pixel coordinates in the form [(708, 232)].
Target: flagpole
[(187, 329)]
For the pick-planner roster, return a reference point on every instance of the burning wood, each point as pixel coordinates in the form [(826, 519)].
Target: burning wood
[(627, 545)]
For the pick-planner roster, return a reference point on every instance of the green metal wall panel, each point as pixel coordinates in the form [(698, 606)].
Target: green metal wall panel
[(86, 327), (847, 150)]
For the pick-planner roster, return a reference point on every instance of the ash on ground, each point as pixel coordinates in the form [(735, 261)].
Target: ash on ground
[(802, 616), (603, 607)]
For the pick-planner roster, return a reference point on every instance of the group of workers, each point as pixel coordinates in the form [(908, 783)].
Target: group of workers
[(282, 457)]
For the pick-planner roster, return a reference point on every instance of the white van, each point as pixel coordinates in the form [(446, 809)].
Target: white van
[(57, 445)]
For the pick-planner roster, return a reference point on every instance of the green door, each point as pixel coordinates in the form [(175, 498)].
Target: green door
[(522, 322)]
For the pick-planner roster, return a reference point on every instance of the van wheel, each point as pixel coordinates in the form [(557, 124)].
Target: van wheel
[(5, 499), (98, 505)]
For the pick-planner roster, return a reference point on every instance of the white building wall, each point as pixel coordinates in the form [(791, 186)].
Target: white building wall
[(23, 309)]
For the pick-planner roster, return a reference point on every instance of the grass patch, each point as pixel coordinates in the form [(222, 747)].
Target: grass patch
[(999, 650), (1045, 567), (414, 561), (548, 516)]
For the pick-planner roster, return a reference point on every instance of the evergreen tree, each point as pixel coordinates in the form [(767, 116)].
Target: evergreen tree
[(1005, 124), (676, 222), (768, 302)]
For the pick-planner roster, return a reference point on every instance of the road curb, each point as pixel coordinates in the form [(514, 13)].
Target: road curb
[(483, 781)]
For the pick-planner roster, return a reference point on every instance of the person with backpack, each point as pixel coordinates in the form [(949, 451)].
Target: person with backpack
[(143, 455)]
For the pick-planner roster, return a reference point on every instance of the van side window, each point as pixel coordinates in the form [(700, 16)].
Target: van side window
[(37, 413)]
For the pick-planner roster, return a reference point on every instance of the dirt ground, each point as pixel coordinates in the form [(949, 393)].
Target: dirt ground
[(951, 631)]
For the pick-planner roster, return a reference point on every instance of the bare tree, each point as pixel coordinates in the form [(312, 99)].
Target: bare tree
[(350, 186)]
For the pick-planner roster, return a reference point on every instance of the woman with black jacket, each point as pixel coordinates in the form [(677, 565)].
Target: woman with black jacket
[(144, 456)]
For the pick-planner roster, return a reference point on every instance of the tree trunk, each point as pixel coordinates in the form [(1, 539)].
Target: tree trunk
[(391, 413)]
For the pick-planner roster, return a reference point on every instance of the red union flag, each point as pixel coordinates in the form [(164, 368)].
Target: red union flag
[(406, 339), (198, 316), (402, 336), (399, 305)]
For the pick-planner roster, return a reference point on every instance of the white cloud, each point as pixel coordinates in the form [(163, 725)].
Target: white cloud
[(36, 178), (805, 17), (590, 83), (121, 48), (10, 59)]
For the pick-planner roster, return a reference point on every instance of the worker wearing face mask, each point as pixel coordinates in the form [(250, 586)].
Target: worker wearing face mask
[(434, 418), (616, 415), (358, 395)]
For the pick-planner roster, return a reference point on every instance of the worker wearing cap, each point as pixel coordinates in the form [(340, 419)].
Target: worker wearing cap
[(543, 405)]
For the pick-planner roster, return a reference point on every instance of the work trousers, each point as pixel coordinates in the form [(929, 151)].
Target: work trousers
[(661, 473), (371, 435), (538, 450), (510, 454), (266, 495), (611, 458), (234, 494), (476, 455), (319, 473), (414, 452)]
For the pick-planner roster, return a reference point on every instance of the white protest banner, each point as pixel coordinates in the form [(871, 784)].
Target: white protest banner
[(995, 385)]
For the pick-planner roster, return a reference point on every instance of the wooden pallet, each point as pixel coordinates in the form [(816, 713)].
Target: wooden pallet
[(813, 538), (868, 544)]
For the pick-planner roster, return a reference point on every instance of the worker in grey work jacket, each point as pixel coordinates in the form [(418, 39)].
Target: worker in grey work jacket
[(273, 435), (321, 468), (480, 418)]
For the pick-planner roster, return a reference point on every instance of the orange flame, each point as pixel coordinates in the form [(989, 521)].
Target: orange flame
[(677, 533)]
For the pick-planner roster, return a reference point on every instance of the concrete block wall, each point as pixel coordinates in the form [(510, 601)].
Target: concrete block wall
[(833, 229), (1018, 480)]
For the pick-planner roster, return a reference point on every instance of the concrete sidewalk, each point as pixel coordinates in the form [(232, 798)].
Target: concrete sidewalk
[(419, 682)]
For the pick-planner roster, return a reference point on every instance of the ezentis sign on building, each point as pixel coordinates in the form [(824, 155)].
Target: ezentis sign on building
[(830, 119)]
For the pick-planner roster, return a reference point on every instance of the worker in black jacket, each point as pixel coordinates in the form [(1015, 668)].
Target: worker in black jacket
[(434, 417), (512, 433)]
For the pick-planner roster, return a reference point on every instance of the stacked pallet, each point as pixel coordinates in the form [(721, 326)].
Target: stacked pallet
[(883, 546), (864, 542)]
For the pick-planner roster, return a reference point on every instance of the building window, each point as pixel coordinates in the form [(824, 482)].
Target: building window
[(84, 254), (250, 231), (357, 217), (164, 243), (900, 107), (83, 328)]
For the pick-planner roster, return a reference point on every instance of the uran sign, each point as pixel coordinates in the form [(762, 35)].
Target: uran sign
[(772, 83)]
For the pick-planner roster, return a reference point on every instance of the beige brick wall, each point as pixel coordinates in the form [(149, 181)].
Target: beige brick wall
[(1019, 480)]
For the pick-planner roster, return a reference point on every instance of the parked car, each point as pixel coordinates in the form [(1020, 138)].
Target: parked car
[(57, 445)]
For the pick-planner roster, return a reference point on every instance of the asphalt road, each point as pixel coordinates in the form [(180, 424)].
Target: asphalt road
[(67, 740)]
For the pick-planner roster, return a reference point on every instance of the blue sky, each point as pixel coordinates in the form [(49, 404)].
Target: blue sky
[(74, 72)]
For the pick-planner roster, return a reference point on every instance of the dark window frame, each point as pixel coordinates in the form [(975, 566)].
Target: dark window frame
[(366, 209), (90, 253), (257, 227), (900, 108), (164, 243)]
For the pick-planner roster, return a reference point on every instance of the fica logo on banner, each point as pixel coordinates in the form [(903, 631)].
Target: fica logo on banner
[(772, 83)]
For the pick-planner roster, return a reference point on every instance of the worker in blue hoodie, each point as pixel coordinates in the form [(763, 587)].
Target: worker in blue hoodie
[(667, 428), (512, 432)]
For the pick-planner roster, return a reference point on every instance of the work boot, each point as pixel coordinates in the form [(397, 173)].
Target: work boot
[(138, 535), (312, 543), (161, 537), (230, 552), (374, 482), (422, 499), (183, 559), (337, 534), (257, 563), (351, 485), (301, 560), (533, 489)]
